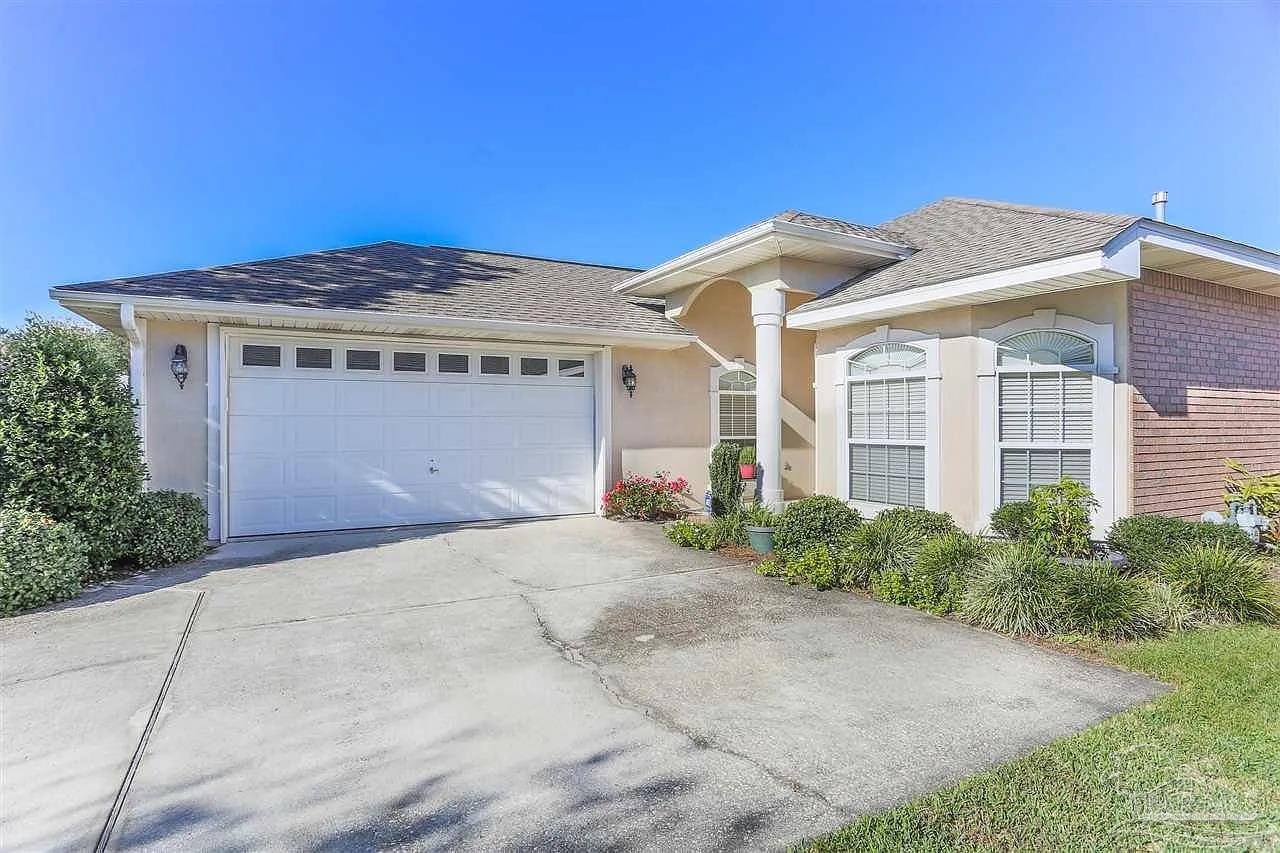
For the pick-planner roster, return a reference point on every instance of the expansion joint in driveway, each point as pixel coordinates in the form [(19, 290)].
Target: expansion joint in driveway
[(574, 655), (117, 805)]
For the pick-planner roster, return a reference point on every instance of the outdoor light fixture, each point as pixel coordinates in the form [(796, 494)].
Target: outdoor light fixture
[(178, 364), (629, 380)]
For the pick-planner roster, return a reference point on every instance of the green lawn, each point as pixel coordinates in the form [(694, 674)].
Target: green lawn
[(1197, 769)]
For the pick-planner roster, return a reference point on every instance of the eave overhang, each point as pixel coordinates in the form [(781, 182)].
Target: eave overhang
[(773, 238), (103, 309)]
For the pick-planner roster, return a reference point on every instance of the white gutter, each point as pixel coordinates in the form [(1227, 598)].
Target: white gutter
[(745, 238), (135, 331), (214, 310)]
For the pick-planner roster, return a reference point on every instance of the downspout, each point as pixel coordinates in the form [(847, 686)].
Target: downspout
[(135, 331)]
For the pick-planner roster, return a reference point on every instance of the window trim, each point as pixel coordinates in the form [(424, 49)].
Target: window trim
[(1102, 451), (714, 387), (930, 371)]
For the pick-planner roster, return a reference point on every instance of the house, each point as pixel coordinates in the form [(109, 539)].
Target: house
[(951, 358)]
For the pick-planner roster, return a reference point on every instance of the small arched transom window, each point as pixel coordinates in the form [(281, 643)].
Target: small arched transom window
[(1046, 348), (887, 357), (736, 407)]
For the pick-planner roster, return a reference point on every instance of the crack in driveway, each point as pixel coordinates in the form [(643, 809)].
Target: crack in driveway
[(575, 656)]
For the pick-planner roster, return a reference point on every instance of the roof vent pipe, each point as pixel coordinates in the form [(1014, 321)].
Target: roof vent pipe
[(1158, 201)]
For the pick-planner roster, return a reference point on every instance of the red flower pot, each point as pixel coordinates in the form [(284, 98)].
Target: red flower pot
[(747, 472)]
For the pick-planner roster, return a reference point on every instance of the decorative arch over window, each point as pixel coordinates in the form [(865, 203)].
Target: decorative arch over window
[(1046, 348), (889, 356), (733, 409)]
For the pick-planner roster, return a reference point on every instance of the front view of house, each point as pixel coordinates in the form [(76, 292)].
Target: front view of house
[(952, 358)]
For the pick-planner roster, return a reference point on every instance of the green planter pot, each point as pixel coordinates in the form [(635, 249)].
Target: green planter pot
[(761, 539)]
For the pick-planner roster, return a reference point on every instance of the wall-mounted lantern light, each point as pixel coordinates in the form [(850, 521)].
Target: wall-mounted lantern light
[(178, 364), (629, 380)]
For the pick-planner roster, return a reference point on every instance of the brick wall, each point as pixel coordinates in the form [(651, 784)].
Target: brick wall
[(1204, 362)]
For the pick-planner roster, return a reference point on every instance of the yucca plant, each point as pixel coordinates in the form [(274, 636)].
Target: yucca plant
[(1222, 584), (1017, 589), (1099, 600)]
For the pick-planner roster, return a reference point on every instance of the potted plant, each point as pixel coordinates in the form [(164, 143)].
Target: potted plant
[(760, 521), (747, 463)]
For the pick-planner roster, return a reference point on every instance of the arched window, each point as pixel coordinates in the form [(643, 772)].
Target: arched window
[(735, 408), (1045, 388), (885, 395)]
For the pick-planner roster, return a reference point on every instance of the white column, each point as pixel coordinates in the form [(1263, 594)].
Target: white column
[(768, 304)]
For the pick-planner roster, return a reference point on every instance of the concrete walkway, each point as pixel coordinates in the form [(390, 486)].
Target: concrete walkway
[(568, 684)]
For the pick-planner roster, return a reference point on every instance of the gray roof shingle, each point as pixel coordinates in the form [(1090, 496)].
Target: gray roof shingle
[(959, 237), (402, 278), (840, 226)]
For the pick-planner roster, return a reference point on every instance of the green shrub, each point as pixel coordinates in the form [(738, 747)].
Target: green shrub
[(887, 544), (1060, 517), (1017, 589), (1098, 600), (726, 481), (1222, 584), (926, 521), (939, 578), (173, 527), (1013, 520), (771, 568), (687, 534), (919, 591), (1170, 610), (730, 529), (41, 561), (812, 521), (816, 567), (68, 444), (1146, 540)]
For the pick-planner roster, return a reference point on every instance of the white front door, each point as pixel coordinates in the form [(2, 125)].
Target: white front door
[(334, 434)]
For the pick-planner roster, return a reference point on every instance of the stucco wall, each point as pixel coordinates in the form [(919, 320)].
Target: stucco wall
[(176, 440), (1206, 386), (959, 353), (667, 425)]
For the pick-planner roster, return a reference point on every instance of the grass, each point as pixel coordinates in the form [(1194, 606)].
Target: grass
[(1196, 769)]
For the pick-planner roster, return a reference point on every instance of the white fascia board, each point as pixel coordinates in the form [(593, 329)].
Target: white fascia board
[(221, 311), (1206, 245), (749, 237), (1124, 264)]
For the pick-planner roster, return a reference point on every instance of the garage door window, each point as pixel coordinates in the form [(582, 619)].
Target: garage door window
[(572, 368), (313, 357), (364, 359), (495, 365), (533, 367), (453, 363), (257, 355), (409, 362)]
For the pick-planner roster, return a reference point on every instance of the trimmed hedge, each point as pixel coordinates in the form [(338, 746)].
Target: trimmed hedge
[(68, 444), (173, 527), (1013, 520), (1147, 540), (41, 561), (925, 521), (813, 521)]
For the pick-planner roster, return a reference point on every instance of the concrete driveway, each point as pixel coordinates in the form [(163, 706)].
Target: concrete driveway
[(568, 684)]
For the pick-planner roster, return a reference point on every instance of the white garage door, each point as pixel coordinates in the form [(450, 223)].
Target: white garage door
[(332, 435)]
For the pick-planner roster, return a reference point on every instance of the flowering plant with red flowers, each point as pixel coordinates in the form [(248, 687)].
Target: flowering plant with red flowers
[(648, 498)]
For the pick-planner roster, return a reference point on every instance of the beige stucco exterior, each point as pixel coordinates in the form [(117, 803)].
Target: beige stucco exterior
[(667, 425), (176, 442), (959, 363)]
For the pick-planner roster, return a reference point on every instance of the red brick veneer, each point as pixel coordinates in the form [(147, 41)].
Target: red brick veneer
[(1204, 362)]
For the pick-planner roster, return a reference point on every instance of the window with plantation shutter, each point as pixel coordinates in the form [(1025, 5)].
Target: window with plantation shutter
[(887, 425), (1045, 417), (736, 407)]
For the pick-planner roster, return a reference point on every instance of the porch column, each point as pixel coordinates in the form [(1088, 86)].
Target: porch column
[(768, 304)]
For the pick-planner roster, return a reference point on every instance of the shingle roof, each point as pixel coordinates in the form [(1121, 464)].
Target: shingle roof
[(842, 227), (959, 237), (402, 278)]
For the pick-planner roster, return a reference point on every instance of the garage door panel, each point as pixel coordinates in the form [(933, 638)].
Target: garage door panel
[(317, 452)]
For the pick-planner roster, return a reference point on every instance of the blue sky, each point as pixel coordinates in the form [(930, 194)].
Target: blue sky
[(143, 137)]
